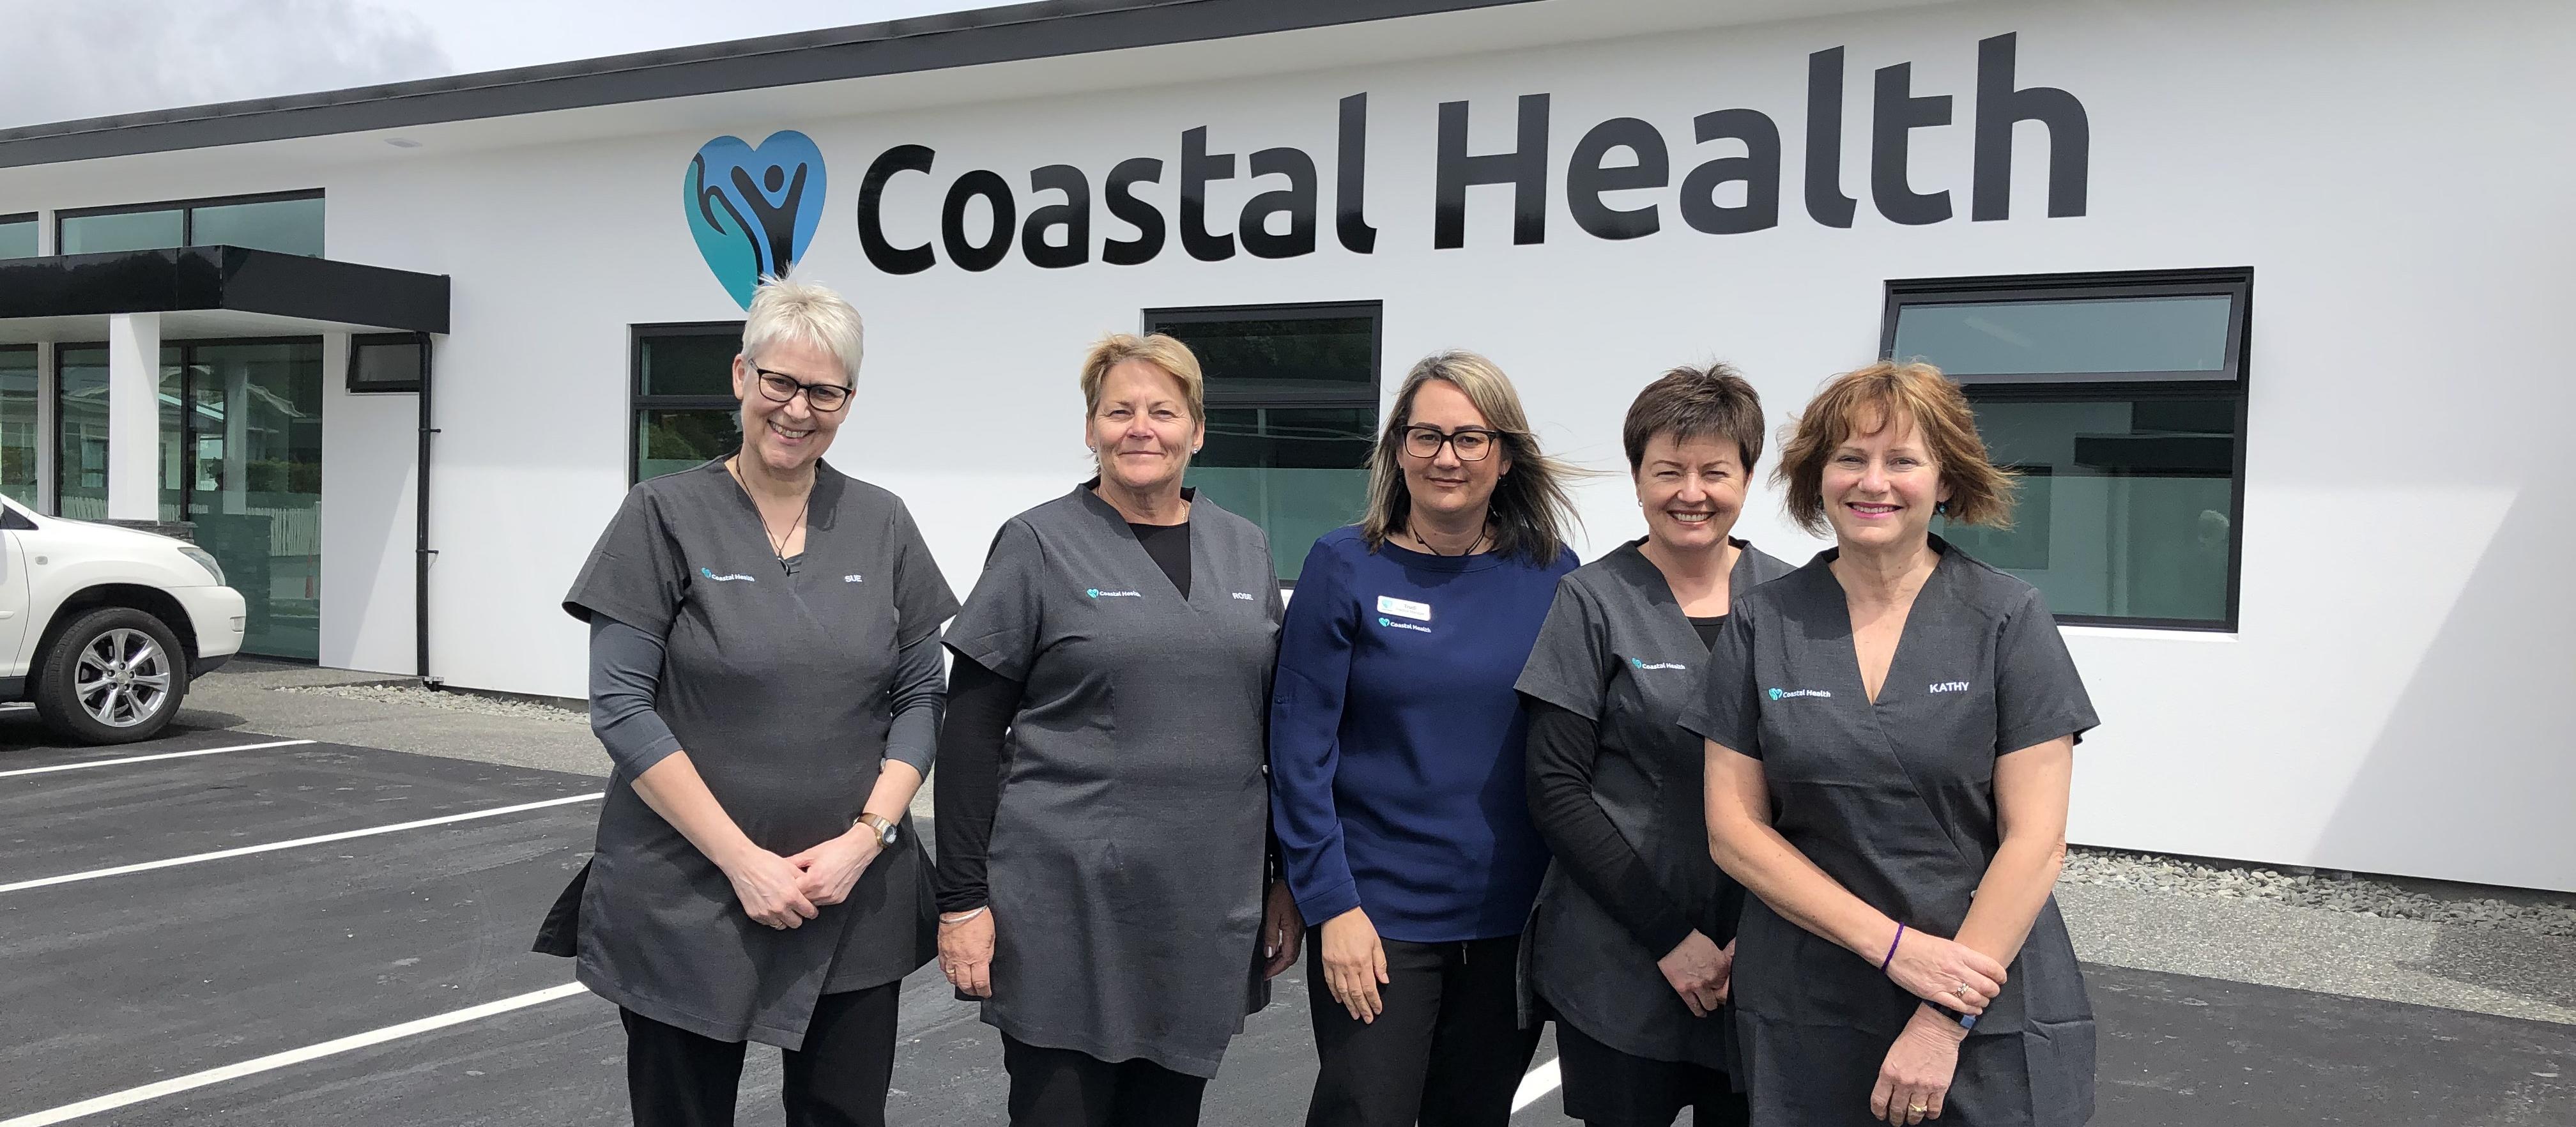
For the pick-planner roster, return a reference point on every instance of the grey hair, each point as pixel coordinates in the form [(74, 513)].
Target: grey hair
[(784, 310)]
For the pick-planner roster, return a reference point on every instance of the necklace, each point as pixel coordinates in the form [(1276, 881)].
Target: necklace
[(777, 543), (1482, 535)]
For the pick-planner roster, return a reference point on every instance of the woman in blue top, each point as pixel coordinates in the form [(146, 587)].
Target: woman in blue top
[(1396, 751)]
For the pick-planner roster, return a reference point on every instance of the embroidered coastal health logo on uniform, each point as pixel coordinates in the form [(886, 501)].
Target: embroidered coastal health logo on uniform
[(710, 573), (1642, 663), (1784, 694), (1097, 593), (1949, 686), (1392, 624)]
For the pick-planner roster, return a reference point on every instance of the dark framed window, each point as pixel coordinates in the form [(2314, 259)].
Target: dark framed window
[(682, 410), (18, 236), (18, 434), (388, 362), (2120, 400), (286, 222), (1292, 406)]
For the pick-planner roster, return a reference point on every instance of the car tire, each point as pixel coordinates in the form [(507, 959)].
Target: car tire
[(115, 675)]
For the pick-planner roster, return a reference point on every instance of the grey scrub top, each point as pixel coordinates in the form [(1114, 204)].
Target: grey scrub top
[(1618, 651), (775, 680), (1129, 843), (1895, 801)]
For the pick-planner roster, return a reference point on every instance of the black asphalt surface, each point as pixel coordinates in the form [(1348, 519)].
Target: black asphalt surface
[(111, 983)]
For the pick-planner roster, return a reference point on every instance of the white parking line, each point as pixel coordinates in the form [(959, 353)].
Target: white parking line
[(154, 1091), (1536, 1085), (148, 758), (247, 850)]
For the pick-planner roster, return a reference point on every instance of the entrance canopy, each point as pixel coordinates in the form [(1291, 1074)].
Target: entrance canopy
[(212, 291)]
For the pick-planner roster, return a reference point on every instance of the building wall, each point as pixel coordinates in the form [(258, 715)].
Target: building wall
[(2387, 703)]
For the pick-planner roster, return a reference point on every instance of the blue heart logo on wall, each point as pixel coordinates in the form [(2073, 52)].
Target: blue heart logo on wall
[(752, 210)]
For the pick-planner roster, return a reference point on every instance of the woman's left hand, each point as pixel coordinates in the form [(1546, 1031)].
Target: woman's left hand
[(834, 867), (1282, 930), (1916, 1075)]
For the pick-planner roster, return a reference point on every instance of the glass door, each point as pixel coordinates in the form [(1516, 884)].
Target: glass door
[(254, 482)]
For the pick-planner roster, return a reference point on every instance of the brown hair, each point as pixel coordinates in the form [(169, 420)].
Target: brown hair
[(1167, 353), (1882, 395), (1532, 511), (1688, 403)]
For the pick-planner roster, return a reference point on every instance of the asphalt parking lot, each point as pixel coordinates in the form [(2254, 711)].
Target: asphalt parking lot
[(220, 927)]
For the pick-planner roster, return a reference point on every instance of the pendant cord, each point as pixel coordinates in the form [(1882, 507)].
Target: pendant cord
[(777, 544)]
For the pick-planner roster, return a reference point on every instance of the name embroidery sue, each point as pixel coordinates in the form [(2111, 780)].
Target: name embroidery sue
[(850, 579)]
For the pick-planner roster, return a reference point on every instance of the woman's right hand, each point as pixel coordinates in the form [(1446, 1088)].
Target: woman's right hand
[(766, 883), (1354, 964), (1697, 969), (1944, 973), (966, 952)]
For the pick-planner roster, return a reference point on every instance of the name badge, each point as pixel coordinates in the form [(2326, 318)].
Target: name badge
[(1401, 608)]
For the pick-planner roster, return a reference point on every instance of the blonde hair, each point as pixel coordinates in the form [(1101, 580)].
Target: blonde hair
[(783, 310), (1166, 353), (1889, 394), (1532, 512)]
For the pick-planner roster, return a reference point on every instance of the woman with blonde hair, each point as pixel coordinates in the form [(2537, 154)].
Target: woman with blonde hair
[(1395, 750), (1102, 814), (1891, 735)]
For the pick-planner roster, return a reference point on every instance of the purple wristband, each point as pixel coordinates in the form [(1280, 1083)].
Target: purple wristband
[(1891, 949)]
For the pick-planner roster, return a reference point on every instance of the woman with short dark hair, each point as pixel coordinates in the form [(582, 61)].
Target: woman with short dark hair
[(1891, 735), (1630, 946)]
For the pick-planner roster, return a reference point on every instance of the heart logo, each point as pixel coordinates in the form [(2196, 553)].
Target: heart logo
[(752, 210)]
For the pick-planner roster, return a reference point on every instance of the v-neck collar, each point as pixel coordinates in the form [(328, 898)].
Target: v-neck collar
[(1941, 566), (1631, 559), (1200, 565), (822, 505)]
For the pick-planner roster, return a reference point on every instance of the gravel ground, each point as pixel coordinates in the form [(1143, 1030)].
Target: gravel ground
[(2362, 896), (476, 703)]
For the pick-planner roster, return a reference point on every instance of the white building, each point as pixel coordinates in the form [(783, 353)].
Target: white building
[(2310, 561)]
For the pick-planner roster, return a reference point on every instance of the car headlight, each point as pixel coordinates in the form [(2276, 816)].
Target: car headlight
[(204, 559)]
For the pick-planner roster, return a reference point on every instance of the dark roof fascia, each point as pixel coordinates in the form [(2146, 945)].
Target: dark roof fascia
[(1014, 33), (194, 279)]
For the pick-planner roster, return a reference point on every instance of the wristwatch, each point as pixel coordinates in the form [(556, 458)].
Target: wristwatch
[(886, 831)]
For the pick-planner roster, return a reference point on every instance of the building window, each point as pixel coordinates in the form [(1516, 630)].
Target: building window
[(288, 223), (2120, 400), (18, 380), (17, 236), (388, 362), (1292, 404), (684, 412), (240, 457)]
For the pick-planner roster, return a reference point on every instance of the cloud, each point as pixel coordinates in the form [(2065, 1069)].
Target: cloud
[(67, 59)]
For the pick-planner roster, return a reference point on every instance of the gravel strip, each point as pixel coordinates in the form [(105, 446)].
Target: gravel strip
[(2361, 896), (451, 701)]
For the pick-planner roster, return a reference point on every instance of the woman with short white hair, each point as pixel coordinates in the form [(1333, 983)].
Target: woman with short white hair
[(756, 877)]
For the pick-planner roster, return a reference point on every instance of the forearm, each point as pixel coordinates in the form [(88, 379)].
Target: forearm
[(2016, 886), (673, 790), (968, 789), (1581, 836), (891, 798), (1769, 867)]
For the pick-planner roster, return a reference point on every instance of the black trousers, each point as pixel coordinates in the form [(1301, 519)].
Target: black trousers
[(1447, 1052), (1608, 1088), (676, 1078), (1070, 1088)]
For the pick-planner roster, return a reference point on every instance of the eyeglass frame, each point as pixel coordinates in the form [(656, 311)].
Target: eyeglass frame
[(1449, 439), (760, 376)]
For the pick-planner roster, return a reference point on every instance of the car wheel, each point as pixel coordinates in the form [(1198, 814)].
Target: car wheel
[(115, 675)]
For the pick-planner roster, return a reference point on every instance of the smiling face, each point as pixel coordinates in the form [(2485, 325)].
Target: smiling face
[(1880, 487), (1142, 429), (787, 437), (1692, 490), (1444, 483)]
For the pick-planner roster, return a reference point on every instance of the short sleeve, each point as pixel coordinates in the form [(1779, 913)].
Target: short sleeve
[(1569, 667), (634, 574), (999, 625), (1727, 709), (2038, 695), (922, 599)]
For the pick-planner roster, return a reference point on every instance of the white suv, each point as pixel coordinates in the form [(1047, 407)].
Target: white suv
[(103, 627)]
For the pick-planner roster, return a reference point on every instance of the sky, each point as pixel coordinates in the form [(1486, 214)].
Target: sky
[(62, 60)]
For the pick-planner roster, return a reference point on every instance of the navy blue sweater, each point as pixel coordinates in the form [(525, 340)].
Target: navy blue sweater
[(1396, 739)]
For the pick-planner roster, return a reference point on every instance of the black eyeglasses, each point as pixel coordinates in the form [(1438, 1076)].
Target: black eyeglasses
[(1473, 444), (779, 387)]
